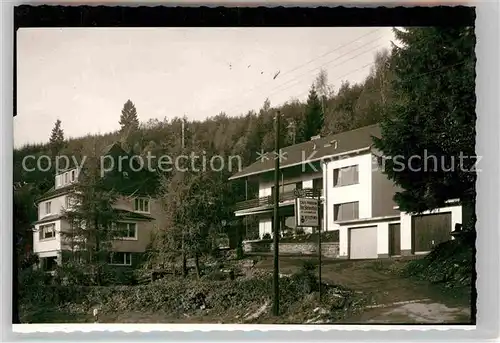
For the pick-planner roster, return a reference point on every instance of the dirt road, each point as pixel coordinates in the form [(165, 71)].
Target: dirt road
[(393, 299)]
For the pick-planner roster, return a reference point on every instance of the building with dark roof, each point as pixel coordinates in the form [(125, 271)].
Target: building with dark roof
[(356, 197), (140, 212)]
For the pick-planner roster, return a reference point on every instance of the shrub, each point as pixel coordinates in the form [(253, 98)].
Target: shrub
[(449, 263), (266, 236), (299, 231)]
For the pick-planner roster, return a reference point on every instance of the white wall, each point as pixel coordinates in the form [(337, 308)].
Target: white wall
[(47, 245), (56, 207), (361, 192), (265, 226), (456, 217), (264, 189), (383, 236), (60, 180)]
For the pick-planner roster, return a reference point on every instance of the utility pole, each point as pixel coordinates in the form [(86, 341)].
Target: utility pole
[(182, 143), (276, 216), (319, 241)]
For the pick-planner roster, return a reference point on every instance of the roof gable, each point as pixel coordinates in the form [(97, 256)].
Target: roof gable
[(313, 150)]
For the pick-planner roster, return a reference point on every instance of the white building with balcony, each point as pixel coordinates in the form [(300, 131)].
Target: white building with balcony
[(357, 198)]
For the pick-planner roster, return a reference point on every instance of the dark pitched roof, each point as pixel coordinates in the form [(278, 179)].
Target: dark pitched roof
[(314, 150), (114, 150), (126, 186), (49, 218), (52, 193), (124, 214)]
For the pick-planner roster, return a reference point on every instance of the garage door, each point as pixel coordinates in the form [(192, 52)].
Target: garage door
[(363, 242), (430, 230)]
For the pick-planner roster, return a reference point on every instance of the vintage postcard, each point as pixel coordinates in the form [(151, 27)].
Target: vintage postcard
[(250, 172)]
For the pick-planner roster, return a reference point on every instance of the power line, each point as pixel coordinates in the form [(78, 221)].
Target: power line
[(310, 61), (321, 66), (331, 51), (307, 73), (407, 80)]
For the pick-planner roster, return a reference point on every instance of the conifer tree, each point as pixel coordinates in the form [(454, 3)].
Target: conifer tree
[(91, 217), (56, 140), (313, 117), (433, 114), (129, 121)]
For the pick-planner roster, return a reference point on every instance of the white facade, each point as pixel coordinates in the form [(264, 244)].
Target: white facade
[(66, 178), (382, 238), (360, 192), (368, 191), (46, 247), (49, 239)]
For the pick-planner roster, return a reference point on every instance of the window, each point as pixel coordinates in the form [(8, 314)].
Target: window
[(126, 231), (48, 209), (120, 258), (47, 231), (66, 177), (345, 176), (58, 181), (287, 188), (73, 175), (141, 205), (69, 201), (346, 211)]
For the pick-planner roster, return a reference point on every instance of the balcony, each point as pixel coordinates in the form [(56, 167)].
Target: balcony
[(268, 201)]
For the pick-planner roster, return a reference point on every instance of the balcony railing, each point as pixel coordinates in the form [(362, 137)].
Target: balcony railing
[(267, 200)]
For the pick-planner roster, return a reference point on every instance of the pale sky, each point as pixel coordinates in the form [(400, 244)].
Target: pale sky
[(83, 76)]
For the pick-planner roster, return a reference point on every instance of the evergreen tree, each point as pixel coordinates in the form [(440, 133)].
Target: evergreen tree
[(433, 114), (313, 118), (56, 140), (129, 121)]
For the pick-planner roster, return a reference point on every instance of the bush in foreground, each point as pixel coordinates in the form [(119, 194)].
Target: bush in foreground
[(179, 297), (450, 263)]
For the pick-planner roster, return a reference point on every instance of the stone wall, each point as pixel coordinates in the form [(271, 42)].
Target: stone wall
[(328, 249)]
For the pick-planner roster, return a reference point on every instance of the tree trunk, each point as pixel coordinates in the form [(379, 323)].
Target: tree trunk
[(197, 265), (97, 259), (184, 259), (184, 265)]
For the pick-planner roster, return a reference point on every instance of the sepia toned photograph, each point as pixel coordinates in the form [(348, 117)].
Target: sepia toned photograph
[(245, 175)]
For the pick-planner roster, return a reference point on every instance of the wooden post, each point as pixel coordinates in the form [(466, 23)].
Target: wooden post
[(276, 217), (319, 243)]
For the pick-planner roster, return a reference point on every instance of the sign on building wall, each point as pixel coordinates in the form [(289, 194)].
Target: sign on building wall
[(306, 211)]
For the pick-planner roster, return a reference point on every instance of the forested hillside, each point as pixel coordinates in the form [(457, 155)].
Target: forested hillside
[(349, 107)]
